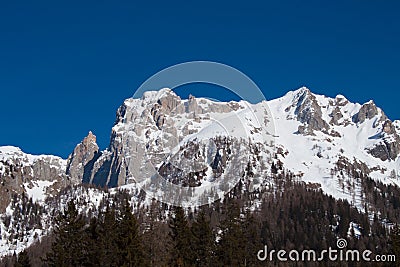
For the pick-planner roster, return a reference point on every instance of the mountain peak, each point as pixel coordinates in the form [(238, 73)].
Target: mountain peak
[(89, 139), (340, 97), (367, 111), (82, 155), (10, 150), (297, 95), (301, 91), (371, 102), (155, 95)]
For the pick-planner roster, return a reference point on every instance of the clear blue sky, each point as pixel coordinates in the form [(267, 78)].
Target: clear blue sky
[(66, 66)]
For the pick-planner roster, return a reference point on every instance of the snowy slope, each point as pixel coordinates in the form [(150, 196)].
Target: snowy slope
[(37, 176), (19, 232), (314, 156), (11, 153)]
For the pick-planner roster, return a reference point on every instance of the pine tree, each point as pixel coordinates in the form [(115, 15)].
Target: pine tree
[(131, 252), (181, 254), (156, 236), (12, 261), (69, 248), (231, 246), (92, 234), (252, 237), (108, 238), (23, 260), (395, 241), (203, 243)]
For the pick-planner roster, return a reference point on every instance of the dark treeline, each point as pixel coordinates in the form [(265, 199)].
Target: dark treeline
[(291, 215)]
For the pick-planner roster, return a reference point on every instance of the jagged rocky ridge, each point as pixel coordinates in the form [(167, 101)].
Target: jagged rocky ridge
[(337, 127), (37, 176), (313, 135)]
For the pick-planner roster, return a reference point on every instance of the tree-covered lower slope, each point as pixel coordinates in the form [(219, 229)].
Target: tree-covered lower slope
[(291, 215)]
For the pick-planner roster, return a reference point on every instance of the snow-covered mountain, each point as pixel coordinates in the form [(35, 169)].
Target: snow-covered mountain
[(322, 138), (315, 137), (329, 143), (38, 176)]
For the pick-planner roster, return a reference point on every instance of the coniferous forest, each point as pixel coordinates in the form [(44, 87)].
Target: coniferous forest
[(292, 215)]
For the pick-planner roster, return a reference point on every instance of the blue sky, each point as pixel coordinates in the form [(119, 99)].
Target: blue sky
[(66, 66)]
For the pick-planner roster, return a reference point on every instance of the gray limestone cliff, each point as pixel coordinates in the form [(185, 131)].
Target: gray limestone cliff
[(308, 112), (389, 147), (20, 172), (82, 155)]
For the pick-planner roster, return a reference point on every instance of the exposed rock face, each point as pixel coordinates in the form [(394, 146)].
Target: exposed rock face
[(193, 107), (389, 128), (367, 111), (336, 115), (83, 154), (309, 113), (341, 101), (164, 106), (389, 147), (147, 125), (385, 151), (20, 172), (196, 152), (312, 112), (169, 102), (109, 168)]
